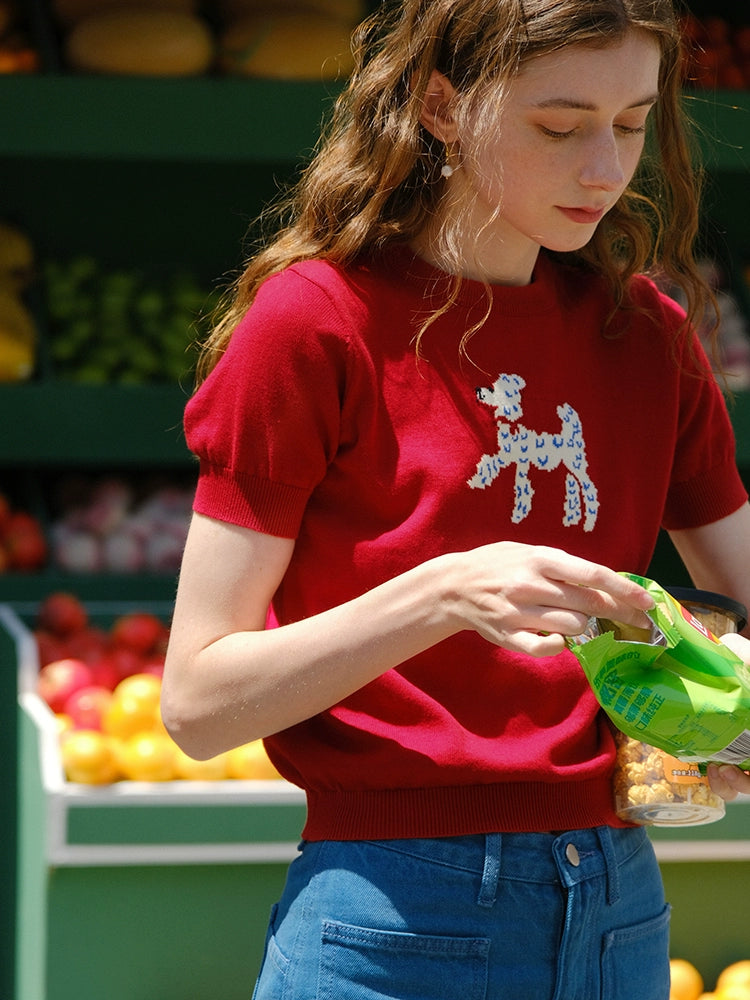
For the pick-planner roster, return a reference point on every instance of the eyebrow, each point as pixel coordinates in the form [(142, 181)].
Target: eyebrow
[(572, 103)]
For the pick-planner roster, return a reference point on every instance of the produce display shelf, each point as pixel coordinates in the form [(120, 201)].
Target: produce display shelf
[(137, 823), (63, 423), (206, 119), (27, 589)]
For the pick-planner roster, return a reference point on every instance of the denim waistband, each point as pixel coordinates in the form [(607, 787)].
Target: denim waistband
[(567, 858)]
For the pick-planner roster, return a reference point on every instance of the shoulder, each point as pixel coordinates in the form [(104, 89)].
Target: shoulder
[(322, 302), (644, 293)]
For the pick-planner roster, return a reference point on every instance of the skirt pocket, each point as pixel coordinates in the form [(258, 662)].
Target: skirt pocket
[(358, 963)]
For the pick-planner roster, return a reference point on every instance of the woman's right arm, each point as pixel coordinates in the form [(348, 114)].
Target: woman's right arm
[(227, 680)]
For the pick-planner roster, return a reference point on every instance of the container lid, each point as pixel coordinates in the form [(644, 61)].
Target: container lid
[(672, 814), (690, 595)]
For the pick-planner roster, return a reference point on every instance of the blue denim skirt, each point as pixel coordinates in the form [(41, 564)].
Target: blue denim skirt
[(524, 916)]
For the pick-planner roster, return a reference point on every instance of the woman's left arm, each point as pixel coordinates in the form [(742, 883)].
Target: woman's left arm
[(717, 556)]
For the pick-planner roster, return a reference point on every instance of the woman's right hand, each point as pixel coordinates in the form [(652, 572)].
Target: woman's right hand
[(527, 598)]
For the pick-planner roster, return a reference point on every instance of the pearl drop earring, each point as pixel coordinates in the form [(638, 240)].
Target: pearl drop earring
[(447, 170)]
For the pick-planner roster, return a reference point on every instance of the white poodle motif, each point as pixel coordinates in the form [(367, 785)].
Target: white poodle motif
[(523, 448)]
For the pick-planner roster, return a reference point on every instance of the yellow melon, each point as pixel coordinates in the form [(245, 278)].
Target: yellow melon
[(68, 12), (287, 44), (138, 41), (352, 11)]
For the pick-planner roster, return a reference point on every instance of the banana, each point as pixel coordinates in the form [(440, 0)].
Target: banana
[(16, 257)]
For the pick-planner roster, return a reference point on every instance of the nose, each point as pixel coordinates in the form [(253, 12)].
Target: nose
[(602, 166)]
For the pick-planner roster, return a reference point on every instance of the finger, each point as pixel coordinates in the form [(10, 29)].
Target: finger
[(604, 581), (584, 603), (738, 644), (534, 643), (718, 776)]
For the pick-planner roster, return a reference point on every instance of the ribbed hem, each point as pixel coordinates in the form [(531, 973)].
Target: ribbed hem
[(236, 497), (459, 811), (714, 494)]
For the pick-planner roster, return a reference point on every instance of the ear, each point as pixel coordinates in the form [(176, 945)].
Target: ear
[(435, 115)]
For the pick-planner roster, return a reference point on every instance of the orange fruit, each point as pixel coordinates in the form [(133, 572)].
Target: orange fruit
[(686, 983), (134, 707), (148, 756), (144, 687), (732, 991), (89, 757), (736, 974), (213, 769), (64, 724), (250, 761)]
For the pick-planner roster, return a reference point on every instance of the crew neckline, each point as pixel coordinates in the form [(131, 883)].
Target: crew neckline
[(539, 295)]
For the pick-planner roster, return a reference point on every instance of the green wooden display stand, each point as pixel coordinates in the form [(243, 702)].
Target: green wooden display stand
[(137, 891)]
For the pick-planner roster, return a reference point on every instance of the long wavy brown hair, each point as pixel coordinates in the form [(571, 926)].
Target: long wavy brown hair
[(376, 176)]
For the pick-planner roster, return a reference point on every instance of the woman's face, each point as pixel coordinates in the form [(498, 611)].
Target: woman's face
[(561, 150)]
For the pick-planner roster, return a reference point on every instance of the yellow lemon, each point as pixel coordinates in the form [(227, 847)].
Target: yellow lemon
[(134, 707), (733, 991), (148, 756), (89, 757), (686, 983), (213, 769), (736, 974), (250, 761)]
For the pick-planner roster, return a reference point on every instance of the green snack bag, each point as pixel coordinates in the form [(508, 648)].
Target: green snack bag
[(674, 686)]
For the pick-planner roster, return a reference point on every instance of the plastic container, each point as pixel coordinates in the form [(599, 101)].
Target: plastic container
[(651, 787)]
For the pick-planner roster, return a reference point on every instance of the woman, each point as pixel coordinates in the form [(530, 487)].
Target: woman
[(440, 414)]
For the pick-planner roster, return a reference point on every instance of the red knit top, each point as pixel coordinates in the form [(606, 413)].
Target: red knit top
[(320, 423)]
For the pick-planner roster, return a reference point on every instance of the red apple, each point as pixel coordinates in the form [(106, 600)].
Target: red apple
[(88, 644), (105, 671), (139, 631), (125, 661), (60, 679), (87, 705), (25, 543), (154, 665), (5, 512), (49, 647), (62, 613)]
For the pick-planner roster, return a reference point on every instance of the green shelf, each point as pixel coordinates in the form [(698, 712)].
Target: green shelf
[(207, 119), (60, 423)]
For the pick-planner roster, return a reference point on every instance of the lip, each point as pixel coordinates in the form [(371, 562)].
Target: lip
[(586, 216)]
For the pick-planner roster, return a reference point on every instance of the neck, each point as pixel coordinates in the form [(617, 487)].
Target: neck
[(490, 257)]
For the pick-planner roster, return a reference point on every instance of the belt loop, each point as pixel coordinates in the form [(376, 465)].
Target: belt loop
[(613, 871), (491, 873)]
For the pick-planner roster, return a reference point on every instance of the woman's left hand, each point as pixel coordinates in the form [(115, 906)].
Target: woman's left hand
[(727, 780)]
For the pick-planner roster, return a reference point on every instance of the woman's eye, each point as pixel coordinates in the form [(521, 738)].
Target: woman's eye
[(632, 129), (556, 135)]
